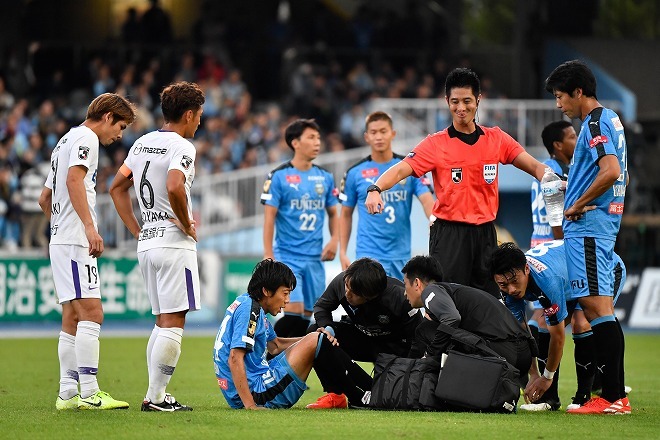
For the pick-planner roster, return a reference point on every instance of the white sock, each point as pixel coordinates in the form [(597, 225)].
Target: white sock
[(87, 354), (150, 346), (66, 350), (164, 357)]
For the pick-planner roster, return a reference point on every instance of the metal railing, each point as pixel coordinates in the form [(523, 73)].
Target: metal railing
[(229, 202)]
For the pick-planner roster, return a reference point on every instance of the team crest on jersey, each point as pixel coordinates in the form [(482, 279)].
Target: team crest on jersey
[(490, 173), (457, 175), (83, 153), (186, 162), (319, 188)]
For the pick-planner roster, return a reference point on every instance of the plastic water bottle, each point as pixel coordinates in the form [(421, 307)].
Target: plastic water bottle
[(553, 196)]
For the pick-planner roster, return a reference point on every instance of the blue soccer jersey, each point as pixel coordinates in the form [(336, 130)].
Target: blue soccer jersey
[(387, 235), (601, 134), (301, 199), (542, 230), (244, 326)]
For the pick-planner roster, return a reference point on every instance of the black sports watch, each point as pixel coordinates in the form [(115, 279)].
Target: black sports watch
[(374, 188)]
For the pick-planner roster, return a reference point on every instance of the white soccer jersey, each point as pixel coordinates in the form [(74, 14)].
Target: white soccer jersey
[(150, 159), (80, 146)]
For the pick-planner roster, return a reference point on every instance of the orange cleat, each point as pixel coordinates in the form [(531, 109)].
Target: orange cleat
[(329, 401), (596, 405), (621, 406)]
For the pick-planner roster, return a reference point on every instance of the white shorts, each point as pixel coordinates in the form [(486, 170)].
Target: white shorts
[(75, 273), (172, 279)]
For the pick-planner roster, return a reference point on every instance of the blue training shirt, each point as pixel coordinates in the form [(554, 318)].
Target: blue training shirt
[(542, 231), (385, 236), (601, 134), (244, 326), (301, 199)]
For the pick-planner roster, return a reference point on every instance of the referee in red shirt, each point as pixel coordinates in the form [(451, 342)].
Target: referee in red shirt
[(463, 160)]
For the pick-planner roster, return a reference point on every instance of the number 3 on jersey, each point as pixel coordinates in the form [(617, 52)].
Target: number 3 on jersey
[(307, 221)]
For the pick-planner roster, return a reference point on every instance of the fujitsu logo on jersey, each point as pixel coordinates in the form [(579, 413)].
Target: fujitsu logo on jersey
[(305, 203), (394, 196)]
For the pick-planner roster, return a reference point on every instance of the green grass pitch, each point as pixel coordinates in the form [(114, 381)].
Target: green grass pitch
[(29, 384)]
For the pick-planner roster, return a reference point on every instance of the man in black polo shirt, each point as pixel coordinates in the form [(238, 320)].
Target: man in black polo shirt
[(378, 317), (467, 308)]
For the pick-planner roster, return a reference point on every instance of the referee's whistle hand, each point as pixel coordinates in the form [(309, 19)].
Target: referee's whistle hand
[(374, 202)]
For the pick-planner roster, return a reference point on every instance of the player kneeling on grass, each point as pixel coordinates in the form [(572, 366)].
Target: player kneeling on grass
[(248, 380)]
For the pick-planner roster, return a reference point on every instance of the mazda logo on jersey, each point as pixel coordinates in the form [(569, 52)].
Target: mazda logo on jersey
[(456, 175), (186, 162), (83, 153)]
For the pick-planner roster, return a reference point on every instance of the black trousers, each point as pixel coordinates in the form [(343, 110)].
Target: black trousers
[(361, 347), (463, 251)]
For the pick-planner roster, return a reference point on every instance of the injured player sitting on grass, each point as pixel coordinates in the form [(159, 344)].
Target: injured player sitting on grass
[(248, 380)]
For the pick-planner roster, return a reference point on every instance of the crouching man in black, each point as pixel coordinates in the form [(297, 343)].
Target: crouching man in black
[(463, 307), (378, 317)]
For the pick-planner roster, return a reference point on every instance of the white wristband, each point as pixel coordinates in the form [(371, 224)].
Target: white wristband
[(548, 374)]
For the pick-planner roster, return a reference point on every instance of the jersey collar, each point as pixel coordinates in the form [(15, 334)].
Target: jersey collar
[(469, 139)]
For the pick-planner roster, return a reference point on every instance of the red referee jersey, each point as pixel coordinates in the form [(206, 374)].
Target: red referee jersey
[(464, 175)]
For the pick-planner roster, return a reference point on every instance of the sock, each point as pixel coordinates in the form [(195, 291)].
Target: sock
[(339, 374), (609, 351), (66, 350), (622, 382), (291, 325), (164, 357), (150, 346), (87, 355), (551, 393), (585, 363)]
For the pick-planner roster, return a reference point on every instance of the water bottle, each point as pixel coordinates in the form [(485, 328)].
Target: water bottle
[(553, 196)]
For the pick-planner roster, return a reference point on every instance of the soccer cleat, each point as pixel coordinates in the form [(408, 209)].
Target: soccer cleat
[(168, 405), (596, 405), (62, 404), (578, 401), (330, 400), (541, 406), (101, 400), (621, 406)]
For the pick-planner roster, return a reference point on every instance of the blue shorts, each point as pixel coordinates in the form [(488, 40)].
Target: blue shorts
[(591, 267), (310, 281), (282, 389)]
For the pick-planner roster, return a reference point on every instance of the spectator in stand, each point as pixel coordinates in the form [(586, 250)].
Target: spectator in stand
[(33, 221)]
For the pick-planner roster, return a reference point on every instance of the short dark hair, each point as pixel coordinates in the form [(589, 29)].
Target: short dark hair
[(424, 267), (295, 129), (179, 97), (462, 77), (366, 278), (506, 259), (554, 132), (377, 116), (271, 275), (572, 75)]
